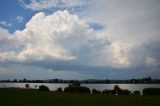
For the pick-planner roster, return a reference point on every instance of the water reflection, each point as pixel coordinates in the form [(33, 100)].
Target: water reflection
[(54, 86)]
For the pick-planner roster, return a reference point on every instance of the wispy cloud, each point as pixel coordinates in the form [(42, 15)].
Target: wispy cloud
[(4, 23), (19, 19), (55, 4)]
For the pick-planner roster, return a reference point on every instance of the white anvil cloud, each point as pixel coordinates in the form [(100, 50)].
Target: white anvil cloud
[(59, 36), (62, 36)]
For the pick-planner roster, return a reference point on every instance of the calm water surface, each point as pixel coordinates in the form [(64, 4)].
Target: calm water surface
[(54, 86)]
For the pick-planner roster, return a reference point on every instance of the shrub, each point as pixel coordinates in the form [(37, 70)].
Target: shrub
[(69, 89), (151, 91), (124, 92), (27, 85), (136, 93), (75, 84), (82, 89), (36, 86), (108, 92), (59, 89), (118, 91), (43, 88), (94, 91), (76, 88), (117, 88), (104, 91)]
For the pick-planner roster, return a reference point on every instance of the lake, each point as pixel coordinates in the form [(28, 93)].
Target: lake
[(54, 86)]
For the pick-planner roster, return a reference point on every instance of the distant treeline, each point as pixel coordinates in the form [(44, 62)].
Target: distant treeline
[(147, 80)]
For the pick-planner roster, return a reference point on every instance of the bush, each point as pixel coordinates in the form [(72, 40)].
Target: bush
[(59, 89), (108, 92), (94, 91), (117, 88), (82, 89), (69, 89), (104, 91), (151, 91), (118, 91), (136, 93), (76, 89), (36, 86), (43, 88), (75, 84), (124, 92), (27, 85)]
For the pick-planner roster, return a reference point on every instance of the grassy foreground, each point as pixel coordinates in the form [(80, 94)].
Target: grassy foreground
[(23, 97)]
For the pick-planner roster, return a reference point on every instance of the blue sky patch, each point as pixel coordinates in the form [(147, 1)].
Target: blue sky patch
[(9, 11), (96, 26)]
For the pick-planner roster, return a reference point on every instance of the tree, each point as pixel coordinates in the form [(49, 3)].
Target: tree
[(59, 89), (117, 88), (76, 88), (136, 93), (75, 84), (124, 92), (151, 91), (24, 80), (94, 91), (43, 88), (27, 86), (15, 80), (36, 86)]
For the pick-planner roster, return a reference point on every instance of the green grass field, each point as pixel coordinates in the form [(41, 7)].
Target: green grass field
[(23, 97)]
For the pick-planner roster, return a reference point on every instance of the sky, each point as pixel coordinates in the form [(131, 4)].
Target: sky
[(79, 39)]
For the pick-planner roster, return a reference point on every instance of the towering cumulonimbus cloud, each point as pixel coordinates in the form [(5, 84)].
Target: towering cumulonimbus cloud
[(103, 38), (60, 36)]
